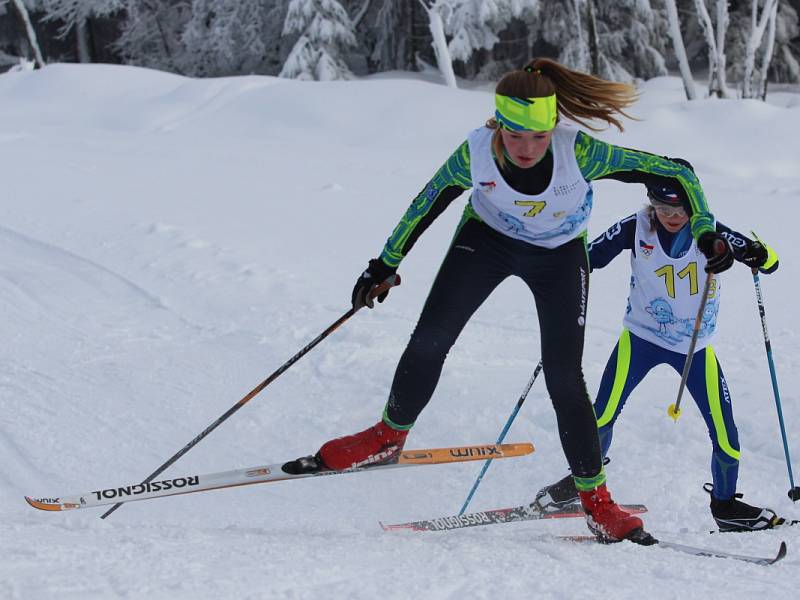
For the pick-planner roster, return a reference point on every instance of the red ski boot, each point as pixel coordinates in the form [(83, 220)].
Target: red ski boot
[(380, 444), (606, 519)]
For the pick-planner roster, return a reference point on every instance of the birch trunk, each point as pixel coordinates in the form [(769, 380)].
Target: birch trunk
[(594, 41), (713, 56), (680, 50), (443, 59), (770, 48), (82, 38), (25, 19), (723, 20), (758, 26), (583, 50)]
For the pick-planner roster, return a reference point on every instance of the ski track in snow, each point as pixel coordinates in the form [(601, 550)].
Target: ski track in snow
[(167, 243)]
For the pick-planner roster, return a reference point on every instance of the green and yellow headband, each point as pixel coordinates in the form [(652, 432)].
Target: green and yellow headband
[(520, 114)]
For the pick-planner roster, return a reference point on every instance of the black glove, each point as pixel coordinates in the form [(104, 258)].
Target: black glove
[(717, 251), (755, 255), (377, 272)]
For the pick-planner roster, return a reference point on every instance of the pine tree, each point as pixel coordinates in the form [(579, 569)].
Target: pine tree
[(785, 65), (75, 14), (474, 24), (325, 31), (631, 36), (151, 33), (230, 38)]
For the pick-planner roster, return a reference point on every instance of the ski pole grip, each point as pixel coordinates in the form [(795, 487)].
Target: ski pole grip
[(388, 283), (719, 247)]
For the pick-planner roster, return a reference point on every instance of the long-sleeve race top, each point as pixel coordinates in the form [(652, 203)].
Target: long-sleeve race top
[(596, 160), (622, 236)]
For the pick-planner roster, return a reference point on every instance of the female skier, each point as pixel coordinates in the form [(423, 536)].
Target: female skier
[(531, 198), (663, 303)]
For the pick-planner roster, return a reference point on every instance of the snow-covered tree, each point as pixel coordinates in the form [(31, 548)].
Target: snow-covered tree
[(474, 24), (759, 23), (224, 37), (769, 48), (151, 33), (679, 49), (390, 37), (438, 11), (325, 32), (19, 8), (785, 65), (715, 42), (631, 38), (779, 62), (74, 15), (619, 40), (564, 27)]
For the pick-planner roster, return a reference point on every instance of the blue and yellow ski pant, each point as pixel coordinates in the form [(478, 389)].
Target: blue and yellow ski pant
[(632, 359)]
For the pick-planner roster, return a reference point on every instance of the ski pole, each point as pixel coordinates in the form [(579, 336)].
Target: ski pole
[(503, 433), (674, 410), (392, 281), (794, 491)]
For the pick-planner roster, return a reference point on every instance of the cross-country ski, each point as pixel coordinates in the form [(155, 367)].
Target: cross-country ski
[(286, 471), (525, 512)]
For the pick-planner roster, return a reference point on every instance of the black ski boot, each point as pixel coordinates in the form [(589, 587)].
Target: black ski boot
[(557, 496), (735, 515)]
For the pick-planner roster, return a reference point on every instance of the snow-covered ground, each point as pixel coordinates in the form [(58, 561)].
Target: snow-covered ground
[(166, 243)]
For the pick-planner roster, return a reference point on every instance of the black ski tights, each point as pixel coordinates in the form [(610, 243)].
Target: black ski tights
[(479, 259)]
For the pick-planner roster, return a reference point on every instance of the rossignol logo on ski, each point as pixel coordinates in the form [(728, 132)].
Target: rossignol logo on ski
[(459, 521), (391, 457), (146, 488), (475, 451)]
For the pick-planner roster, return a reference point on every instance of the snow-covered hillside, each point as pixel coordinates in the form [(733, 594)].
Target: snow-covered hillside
[(166, 243)]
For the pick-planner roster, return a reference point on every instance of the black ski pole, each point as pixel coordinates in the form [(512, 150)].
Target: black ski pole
[(392, 281)]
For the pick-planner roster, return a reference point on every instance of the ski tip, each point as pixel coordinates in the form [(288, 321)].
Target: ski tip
[(50, 504)]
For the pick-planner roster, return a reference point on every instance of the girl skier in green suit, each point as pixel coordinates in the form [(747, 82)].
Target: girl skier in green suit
[(531, 176)]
